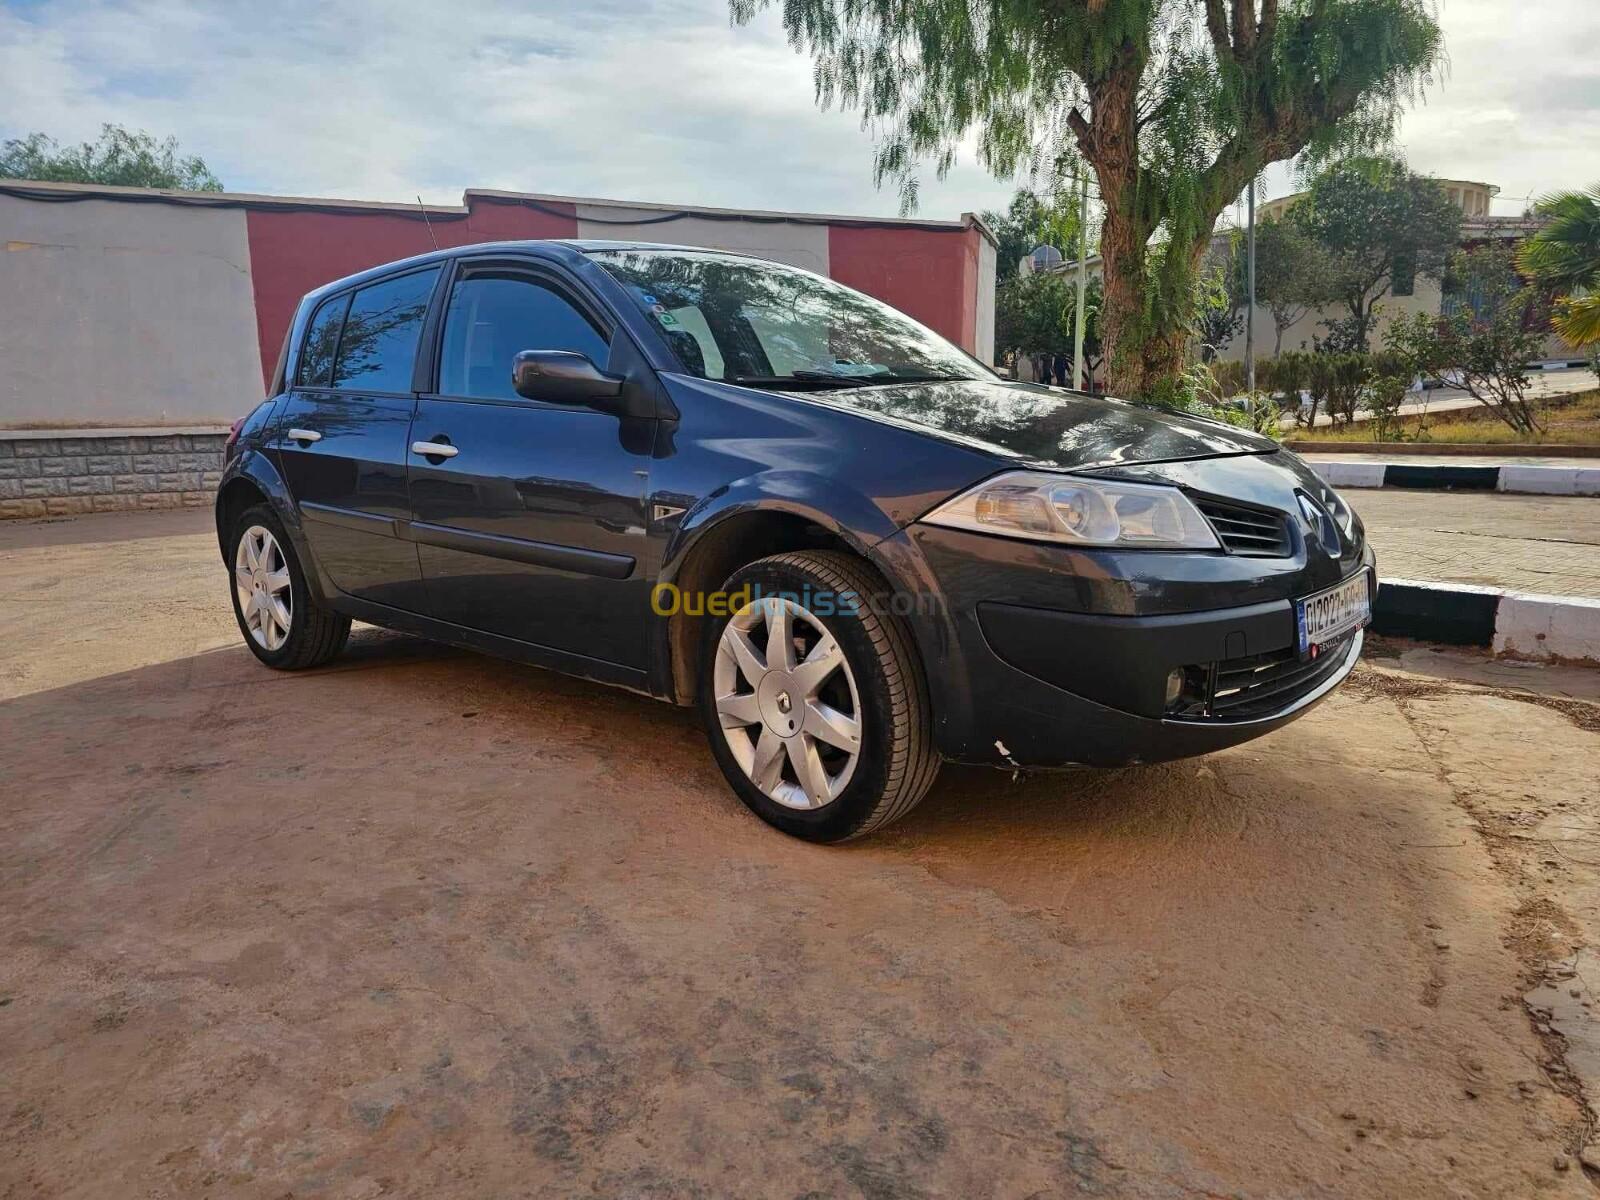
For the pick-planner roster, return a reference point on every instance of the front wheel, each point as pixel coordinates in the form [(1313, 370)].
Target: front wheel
[(284, 625), (814, 698)]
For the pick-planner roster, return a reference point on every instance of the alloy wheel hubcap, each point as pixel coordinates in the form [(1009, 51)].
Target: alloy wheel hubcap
[(261, 580), (787, 703)]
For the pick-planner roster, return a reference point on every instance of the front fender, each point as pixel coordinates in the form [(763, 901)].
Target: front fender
[(847, 514)]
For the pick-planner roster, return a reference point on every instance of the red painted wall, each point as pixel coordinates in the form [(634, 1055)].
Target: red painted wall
[(293, 251), (930, 274)]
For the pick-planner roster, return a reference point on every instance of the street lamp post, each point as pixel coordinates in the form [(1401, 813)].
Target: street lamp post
[(1250, 300), (1083, 278)]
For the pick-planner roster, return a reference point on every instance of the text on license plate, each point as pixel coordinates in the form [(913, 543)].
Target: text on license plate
[(1330, 614)]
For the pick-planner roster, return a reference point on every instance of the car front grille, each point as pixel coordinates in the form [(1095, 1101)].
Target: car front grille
[(1249, 532), (1267, 683)]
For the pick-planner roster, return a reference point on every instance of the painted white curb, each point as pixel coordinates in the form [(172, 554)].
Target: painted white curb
[(1547, 626), (1550, 481)]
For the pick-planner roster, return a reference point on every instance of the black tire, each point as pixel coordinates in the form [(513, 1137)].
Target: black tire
[(316, 632), (897, 762)]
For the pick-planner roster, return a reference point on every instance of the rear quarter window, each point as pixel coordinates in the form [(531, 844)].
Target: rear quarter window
[(378, 349), (321, 341)]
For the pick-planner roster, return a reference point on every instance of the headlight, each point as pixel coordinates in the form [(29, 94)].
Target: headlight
[(1079, 512)]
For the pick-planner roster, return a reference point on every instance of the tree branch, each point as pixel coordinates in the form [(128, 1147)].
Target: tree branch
[(1244, 27), (1217, 26), (1082, 131), (1268, 28)]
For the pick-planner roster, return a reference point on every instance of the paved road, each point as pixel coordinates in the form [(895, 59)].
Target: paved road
[(1547, 544), (427, 924)]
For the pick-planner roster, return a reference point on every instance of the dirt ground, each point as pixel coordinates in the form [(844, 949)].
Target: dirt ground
[(426, 924)]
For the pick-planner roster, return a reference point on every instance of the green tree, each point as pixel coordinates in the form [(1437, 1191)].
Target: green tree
[(1564, 257), (1217, 318), (1486, 340), (1036, 314), (118, 157), (1174, 104), (1031, 221), (1293, 273), (1381, 226)]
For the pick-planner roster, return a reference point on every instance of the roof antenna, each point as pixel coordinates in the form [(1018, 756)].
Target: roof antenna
[(427, 222)]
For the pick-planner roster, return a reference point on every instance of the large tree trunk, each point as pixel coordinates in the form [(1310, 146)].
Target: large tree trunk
[(1110, 142)]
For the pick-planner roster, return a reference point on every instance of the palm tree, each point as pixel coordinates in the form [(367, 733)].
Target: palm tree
[(1565, 256)]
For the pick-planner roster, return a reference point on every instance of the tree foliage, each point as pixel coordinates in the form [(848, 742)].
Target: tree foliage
[(1217, 317), (1037, 314), (1174, 104), (1030, 221), (118, 157), (1564, 256), (1482, 347), (1379, 224), (1293, 272)]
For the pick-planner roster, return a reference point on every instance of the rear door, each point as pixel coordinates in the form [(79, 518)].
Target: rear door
[(343, 437), (533, 526)]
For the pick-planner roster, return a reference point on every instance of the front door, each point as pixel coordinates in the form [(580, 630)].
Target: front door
[(528, 517), (342, 438)]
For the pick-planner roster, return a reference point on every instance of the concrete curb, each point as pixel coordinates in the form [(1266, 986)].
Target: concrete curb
[(1511, 623), (1500, 477)]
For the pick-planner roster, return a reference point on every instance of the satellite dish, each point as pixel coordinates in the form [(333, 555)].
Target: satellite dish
[(1045, 257)]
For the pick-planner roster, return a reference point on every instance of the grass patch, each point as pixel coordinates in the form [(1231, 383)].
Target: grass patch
[(1568, 421)]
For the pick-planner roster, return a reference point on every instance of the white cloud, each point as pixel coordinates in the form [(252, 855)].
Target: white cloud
[(649, 100)]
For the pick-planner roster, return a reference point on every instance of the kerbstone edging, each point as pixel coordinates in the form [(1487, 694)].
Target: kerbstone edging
[(1502, 477), (1512, 623)]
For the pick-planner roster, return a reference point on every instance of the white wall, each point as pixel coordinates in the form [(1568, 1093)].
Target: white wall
[(798, 245), (984, 340), (124, 314)]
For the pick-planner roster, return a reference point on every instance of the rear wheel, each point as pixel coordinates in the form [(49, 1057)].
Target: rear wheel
[(284, 625), (814, 701)]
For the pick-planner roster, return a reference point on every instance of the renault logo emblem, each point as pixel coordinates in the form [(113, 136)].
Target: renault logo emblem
[(1319, 526)]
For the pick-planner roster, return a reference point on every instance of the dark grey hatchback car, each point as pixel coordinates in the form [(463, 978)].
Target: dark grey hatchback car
[(728, 483)]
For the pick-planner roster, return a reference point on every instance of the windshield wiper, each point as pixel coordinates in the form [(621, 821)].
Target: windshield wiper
[(804, 379)]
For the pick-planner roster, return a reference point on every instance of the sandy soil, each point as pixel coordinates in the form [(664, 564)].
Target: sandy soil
[(427, 924)]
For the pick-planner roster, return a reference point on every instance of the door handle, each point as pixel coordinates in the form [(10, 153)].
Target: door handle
[(434, 449), (304, 435)]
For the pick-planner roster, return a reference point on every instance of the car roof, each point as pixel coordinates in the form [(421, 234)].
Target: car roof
[(542, 247)]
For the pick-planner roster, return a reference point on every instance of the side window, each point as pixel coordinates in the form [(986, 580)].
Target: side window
[(379, 346), (322, 339), (492, 318)]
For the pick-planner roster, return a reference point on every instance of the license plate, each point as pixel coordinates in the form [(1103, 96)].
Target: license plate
[(1329, 615)]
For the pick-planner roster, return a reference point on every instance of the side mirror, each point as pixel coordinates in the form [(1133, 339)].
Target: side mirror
[(564, 377)]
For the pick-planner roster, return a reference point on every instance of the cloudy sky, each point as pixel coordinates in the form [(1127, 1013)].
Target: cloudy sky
[(645, 99)]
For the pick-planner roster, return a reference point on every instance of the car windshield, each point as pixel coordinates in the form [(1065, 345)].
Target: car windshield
[(763, 324)]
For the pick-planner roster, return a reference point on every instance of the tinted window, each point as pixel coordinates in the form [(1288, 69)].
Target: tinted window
[(379, 346), (322, 339), (492, 318)]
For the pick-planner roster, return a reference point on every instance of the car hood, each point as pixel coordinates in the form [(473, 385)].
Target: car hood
[(1042, 426)]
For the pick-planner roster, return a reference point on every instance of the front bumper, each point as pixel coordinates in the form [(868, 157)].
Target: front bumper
[(1049, 656)]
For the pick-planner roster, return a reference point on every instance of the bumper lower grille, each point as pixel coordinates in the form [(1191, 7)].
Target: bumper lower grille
[(1248, 531), (1268, 683)]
